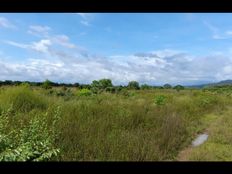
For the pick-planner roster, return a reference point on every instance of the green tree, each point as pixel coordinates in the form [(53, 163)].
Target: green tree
[(133, 85), (167, 86), (178, 87), (145, 86), (101, 85), (47, 84)]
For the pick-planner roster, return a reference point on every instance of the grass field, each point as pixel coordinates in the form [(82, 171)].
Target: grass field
[(132, 125)]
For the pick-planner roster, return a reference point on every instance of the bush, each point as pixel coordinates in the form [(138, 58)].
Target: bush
[(101, 85), (24, 84), (145, 86), (34, 142), (178, 87), (84, 92), (160, 100), (133, 85), (111, 89), (167, 86)]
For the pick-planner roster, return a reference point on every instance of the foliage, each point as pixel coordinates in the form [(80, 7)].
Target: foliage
[(133, 85), (178, 87), (145, 86), (84, 92), (101, 85), (33, 142), (109, 127), (167, 86), (160, 100), (47, 84)]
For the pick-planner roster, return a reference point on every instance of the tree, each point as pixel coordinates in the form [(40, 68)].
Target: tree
[(145, 86), (167, 86), (133, 85), (178, 87), (101, 85), (47, 84), (76, 84), (104, 83)]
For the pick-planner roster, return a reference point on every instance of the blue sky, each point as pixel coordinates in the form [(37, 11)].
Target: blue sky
[(152, 48)]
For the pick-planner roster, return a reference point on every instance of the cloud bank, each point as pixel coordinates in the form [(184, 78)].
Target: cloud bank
[(60, 60), (157, 67)]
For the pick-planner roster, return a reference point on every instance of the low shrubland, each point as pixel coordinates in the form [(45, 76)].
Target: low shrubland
[(134, 125)]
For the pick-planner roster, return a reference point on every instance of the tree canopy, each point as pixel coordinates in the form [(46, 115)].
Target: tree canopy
[(133, 85)]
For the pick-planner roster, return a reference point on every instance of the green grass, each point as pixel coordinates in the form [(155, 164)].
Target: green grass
[(134, 125), (219, 145)]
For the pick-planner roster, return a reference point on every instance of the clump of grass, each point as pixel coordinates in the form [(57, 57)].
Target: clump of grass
[(22, 99), (212, 152)]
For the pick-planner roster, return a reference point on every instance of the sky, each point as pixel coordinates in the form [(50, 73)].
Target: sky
[(151, 48)]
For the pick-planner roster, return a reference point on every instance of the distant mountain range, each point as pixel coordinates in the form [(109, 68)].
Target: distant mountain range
[(221, 83)]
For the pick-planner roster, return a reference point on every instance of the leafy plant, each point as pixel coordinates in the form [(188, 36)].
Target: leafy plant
[(33, 142), (160, 100), (84, 92)]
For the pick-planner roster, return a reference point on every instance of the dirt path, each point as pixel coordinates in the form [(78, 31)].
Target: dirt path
[(184, 154), (200, 139), (211, 121)]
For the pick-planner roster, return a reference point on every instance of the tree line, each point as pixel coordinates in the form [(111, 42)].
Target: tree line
[(95, 86)]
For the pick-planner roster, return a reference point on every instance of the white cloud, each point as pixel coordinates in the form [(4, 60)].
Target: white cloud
[(44, 44), (16, 44), (62, 61), (85, 15), (41, 46), (86, 18), (63, 40), (218, 37), (216, 33), (211, 27), (86, 23), (5, 23), (39, 30), (169, 67), (229, 32)]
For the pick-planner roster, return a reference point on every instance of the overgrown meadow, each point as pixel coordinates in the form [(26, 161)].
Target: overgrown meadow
[(103, 123)]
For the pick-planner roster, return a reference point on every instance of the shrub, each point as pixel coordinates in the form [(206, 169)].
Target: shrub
[(24, 84), (125, 92), (160, 100), (133, 85), (111, 89), (145, 86), (34, 142), (178, 87), (64, 88), (101, 85), (84, 92), (167, 86)]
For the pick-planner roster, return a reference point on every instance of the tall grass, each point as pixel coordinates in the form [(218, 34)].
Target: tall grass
[(123, 126), (22, 99)]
